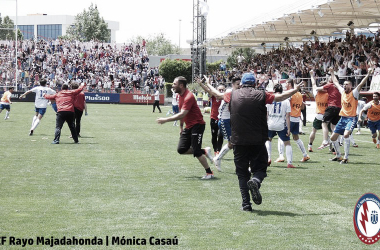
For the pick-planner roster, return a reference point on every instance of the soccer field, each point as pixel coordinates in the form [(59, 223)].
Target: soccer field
[(125, 178)]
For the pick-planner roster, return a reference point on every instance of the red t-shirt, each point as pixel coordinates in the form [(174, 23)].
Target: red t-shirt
[(227, 97), (269, 97), (215, 108), (79, 101), (65, 99), (334, 95), (188, 102)]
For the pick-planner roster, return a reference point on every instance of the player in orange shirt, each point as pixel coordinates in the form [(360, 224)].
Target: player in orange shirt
[(6, 102), (348, 118), (321, 99), (373, 116), (295, 114)]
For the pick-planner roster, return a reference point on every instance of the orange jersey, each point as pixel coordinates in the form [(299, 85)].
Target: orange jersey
[(321, 101), (295, 104), (373, 112), (6, 97), (349, 105)]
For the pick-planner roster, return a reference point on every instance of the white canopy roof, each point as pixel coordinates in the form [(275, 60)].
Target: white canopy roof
[(322, 20)]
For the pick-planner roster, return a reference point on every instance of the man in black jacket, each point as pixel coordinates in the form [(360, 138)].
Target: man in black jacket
[(249, 131)]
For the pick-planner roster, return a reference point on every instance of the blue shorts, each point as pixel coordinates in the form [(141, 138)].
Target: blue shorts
[(175, 109), (345, 123), (373, 126), (40, 111), (5, 106), (225, 128), (281, 134), (294, 128), (54, 106)]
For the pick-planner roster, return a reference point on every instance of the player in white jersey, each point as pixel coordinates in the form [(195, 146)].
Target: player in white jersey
[(224, 116), (40, 102), (279, 123), (361, 104)]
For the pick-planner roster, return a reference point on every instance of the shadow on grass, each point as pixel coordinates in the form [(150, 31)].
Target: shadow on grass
[(359, 162), (80, 142), (200, 178), (285, 167), (282, 213), (227, 172)]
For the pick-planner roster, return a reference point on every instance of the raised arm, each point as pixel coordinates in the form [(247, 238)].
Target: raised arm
[(210, 89), (361, 84), (313, 83), (286, 94), (335, 81)]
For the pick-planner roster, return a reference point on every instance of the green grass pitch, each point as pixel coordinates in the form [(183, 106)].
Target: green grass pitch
[(125, 178)]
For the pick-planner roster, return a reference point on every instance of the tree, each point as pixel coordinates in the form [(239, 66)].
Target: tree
[(212, 67), (247, 53), (157, 45), (170, 69), (7, 29), (89, 26)]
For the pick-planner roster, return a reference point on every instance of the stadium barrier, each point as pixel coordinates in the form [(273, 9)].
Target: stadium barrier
[(100, 98)]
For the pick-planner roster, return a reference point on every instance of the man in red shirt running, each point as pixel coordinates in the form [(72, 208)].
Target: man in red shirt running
[(65, 104), (79, 106), (190, 141)]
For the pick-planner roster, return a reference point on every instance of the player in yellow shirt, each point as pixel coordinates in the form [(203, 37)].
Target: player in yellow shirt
[(348, 118), (5, 102), (373, 116)]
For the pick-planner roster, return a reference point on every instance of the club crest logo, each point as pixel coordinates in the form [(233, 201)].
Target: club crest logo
[(366, 218)]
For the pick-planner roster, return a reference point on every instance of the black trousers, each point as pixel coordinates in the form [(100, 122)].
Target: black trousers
[(303, 111), (192, 137), (156, 104), (254, 156), (78, 118), (62, 117), (216, 135)]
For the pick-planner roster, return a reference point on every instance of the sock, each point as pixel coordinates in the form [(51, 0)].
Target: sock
[(35, 124), (280, 145), (337, 148), (289, 154), (268, 145), (352, 139), (325, 142), (341, 139), (223, 151), (208, 171), (301, 147), (34, 119), (7, 114), (346, 147), (378, 141)]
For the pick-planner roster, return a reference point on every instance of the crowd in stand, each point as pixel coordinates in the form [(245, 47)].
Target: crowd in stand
[(104, 67), (107, 68), (350, 58)]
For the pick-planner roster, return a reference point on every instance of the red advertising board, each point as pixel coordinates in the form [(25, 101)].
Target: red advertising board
[(139, 99), (183, 59)]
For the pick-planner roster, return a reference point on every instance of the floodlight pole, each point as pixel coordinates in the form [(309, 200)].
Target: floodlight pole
[(198, 48), (179, 36), (16, 45)]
